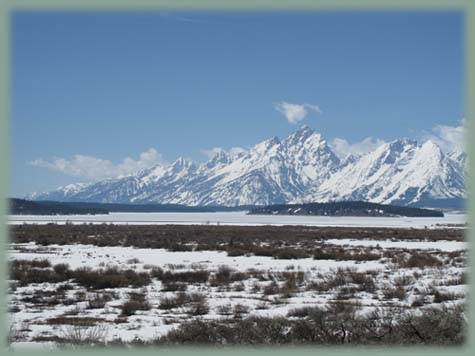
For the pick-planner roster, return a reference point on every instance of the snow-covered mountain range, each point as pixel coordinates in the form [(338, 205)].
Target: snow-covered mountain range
[(300, 168)]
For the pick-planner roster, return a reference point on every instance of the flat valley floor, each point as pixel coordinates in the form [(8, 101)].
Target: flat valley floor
[(122, 285)]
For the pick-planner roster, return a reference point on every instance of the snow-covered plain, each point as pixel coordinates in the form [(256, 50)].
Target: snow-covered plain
[(30, 320), (241, 218), (94, 256), (447, 246)]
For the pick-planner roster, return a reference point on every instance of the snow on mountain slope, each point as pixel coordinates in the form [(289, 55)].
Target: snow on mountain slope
[(272, 171), (401, 172), (60, 194), (299, 168)]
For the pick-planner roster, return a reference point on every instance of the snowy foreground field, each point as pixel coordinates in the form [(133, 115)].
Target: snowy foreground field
[(173, 284)]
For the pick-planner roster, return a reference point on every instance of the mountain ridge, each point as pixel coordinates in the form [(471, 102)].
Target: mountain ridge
[(301, 168)]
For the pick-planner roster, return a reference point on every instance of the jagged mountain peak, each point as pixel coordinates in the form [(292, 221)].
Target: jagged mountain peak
[(267, 145), (457, 156), (302, 134), (430, 147), (219, 153), (220, 157), (388, 153), (399, 145), (155, 170), (182, 162)]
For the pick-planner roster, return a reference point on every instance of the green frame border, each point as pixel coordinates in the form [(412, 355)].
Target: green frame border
[(465, 6)]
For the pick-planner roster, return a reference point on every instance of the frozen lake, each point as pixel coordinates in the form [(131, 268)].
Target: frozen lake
[(240, 218)]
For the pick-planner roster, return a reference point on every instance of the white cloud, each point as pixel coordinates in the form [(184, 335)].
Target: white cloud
[(295, 112), (210, 153), (343, 148), (97, 168), (448, 138)]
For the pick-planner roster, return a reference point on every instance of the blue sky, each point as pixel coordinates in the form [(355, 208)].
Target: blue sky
[(107, 86)]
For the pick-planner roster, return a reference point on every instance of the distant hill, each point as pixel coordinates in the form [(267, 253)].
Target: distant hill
[(346, 208), (29, 207)]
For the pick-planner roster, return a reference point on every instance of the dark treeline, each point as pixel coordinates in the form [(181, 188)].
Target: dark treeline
[(346, 208), (29, 207)]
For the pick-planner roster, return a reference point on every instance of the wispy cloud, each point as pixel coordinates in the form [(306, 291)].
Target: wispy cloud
[(448, 138), (295, 112), (343, 148), (97, 168)]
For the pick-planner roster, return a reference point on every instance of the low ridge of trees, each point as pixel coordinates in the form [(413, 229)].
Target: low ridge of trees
[(29, 207), (346, 208)]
